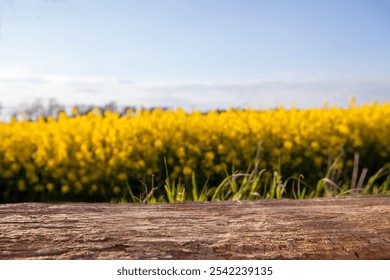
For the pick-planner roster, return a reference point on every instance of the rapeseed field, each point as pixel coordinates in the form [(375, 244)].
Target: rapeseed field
[(155, 156)]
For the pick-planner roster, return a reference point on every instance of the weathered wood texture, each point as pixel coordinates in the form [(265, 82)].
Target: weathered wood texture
[(344, 228)]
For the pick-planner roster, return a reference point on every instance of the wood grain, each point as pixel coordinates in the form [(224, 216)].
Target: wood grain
[(338, 228)]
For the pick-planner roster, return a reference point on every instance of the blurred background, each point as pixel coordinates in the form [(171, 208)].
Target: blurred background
[(194, 54)]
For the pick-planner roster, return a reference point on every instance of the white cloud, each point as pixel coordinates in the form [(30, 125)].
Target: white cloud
[(18, 85)]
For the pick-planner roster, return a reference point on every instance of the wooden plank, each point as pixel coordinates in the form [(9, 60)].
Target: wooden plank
[(338, 228)]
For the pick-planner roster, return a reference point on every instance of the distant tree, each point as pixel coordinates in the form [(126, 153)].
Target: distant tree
[(126, 109), (151, 109), (54, 108), (84, 109), (112, 107), (38, 109), (33, 111)]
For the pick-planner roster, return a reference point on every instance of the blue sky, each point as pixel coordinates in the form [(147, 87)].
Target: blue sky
[(198, 54)]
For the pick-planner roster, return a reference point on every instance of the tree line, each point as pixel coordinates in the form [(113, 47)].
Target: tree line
[(53, 108)]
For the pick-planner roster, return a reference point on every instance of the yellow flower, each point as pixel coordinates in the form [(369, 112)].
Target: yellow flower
[(288, 145), (50, 187), (221, 148), (318, 162), (93, 188), (315, 145), (181, 153), (116, 190), (74, 110), (210, 156), (158, 144), (122, 176), (21, 185), (65, 189), (187, 171)]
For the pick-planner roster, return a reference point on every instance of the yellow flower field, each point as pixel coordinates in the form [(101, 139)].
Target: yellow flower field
[(99, 157)]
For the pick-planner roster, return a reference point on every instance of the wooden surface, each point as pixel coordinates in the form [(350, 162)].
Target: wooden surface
[(342, 228)]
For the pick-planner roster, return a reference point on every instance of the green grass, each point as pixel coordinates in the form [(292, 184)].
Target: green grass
[(258, 183)]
